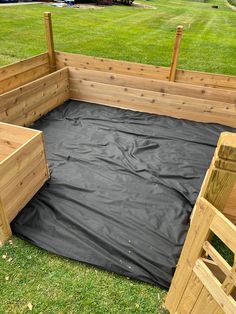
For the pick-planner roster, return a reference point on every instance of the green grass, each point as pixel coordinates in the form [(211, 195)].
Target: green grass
[(57, 285), (121, 32)]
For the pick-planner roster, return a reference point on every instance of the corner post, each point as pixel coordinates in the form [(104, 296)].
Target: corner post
[(50, 42), (5, 229), (174, 62)]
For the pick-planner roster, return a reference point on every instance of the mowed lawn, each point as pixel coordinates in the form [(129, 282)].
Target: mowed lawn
[(30, 277)]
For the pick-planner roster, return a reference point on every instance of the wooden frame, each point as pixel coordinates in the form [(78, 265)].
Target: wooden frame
[(23, 171), (31, 88), (203, 285)]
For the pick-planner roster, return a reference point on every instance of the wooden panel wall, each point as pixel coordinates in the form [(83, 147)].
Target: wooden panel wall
[(143, 70), (22, 175), (26, 104), (180, 100), (22, 72)]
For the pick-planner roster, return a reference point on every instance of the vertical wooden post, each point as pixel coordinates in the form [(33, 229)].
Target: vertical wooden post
[(5, 229), (50, 43), (174, 62)]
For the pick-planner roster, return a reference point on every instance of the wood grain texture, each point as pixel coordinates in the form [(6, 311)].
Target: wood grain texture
[(22, 72), (177, 106), (64, 59), (182, 89), (175, 55), (23, 171), (28, 103), (50, 42), (5, 229)]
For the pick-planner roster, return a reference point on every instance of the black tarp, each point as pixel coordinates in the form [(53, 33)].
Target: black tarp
[(122, 187)]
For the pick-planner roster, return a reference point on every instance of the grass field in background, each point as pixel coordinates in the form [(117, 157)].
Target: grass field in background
[(50, 284), (121, 32)]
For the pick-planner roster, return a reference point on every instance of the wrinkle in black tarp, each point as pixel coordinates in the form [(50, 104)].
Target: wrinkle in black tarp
[(122, 187)]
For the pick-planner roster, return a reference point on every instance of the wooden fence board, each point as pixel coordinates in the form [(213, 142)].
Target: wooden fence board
[(154, 102), (194, 91), (22, 72)]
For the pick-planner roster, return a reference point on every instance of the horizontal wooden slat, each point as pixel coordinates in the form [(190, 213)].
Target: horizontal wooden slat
[(32, 101), (26, 104), (225, 230), (143, 70), (166, 87), (107, 65), (206, 79), (22, 72), (19, 160), (43, 108), (22, 66), (227, 303), (219, 260), (154, 102), (10, 98), (22, 173), (23, 78)]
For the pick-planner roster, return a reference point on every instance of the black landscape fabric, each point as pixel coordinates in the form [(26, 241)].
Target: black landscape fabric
[(122, 187)]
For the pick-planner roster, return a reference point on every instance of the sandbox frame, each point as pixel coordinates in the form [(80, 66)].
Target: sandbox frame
[(31, 88)]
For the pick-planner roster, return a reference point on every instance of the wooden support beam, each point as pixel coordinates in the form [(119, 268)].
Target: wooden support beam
[(5, 229), (173, 68), (50, 42)]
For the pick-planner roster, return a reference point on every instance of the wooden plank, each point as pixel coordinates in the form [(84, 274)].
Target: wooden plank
[(175, 56), (22, 173), (14, 133), (219, 260), (191, 294), (161, 86), (23, 78), (229, 283), (10, 98), (24, 105), (22, 66), (198, 233), (227, 303), (228, 152), (64, 59), (225, 230), (206, 79), (27, 183), (230, 207), (205, 304), (43, 109), (219, 187), (154, 102), (49, 39), (5, 229)]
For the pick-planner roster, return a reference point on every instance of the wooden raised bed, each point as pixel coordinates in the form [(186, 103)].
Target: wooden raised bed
[(23, 171), (31, 88)]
